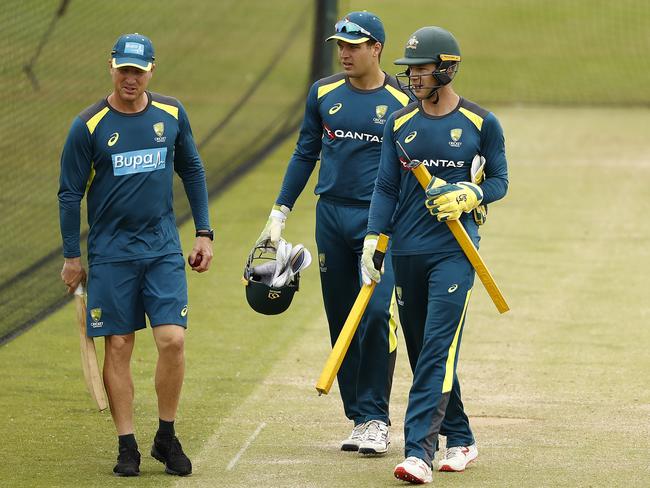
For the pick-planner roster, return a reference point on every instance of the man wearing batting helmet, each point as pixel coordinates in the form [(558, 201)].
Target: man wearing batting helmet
[(462, 144)]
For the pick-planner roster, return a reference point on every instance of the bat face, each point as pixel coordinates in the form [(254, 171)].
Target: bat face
[(92, 376), (335, 359)]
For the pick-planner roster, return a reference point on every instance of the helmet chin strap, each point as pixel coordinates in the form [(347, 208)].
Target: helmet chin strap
[(434, 92)]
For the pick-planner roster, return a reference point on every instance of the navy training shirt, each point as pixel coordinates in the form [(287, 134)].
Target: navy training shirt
[(125, 163), (446, 145), (343, 127)]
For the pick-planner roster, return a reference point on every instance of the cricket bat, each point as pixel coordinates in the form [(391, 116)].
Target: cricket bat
[(93, 378), (340, 349), (424, 177)]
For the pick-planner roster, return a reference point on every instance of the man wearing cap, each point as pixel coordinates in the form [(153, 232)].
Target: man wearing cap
[(343, 124), (462, 144), (121, 152)]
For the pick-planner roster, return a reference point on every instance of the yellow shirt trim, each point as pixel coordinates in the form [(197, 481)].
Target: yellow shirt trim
[(476, 119), (451, 357), (399, 122), (170, 109), (91, 177), (94, 120), (325, 89), (401, 97)]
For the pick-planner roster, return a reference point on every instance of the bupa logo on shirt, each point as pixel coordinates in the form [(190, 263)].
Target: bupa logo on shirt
[(142, 161)]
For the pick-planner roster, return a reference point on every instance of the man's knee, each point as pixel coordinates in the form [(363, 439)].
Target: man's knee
[(118, 346), (170, 340)]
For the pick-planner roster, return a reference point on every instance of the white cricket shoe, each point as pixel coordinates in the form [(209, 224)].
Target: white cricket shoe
[(414, 470), (352, 442), (375, 439), (457, 458)]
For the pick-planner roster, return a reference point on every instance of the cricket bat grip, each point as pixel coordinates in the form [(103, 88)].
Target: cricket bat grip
[(380, 251)]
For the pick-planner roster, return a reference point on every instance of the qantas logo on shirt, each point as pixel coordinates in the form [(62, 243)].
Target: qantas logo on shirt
[(437, 163), (142, 161), (348, 134)]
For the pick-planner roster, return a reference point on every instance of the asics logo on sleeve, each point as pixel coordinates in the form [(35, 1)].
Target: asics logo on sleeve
[(113, 139), (142, 161), (411, 136), (335, 108)]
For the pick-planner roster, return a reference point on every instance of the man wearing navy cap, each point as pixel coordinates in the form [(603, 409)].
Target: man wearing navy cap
[(343, 125), (122, 153)]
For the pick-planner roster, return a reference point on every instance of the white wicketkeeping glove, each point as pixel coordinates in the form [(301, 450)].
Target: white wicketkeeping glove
[(274, 225), (368, 271), (478, 175)]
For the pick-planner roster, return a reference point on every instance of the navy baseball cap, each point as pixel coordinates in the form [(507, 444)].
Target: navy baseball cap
[(358, 27), (133, 50)]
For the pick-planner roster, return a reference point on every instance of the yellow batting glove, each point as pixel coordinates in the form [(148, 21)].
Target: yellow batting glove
[(449, 201)]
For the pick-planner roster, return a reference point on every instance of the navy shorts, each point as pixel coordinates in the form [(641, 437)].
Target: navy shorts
[(120, 294)]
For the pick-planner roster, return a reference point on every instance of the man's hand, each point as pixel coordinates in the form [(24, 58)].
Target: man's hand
[(449, 201), (274, 225), (201, 255), (368, 271), (73, 273)]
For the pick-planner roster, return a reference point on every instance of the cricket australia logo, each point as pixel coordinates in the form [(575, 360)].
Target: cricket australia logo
[(455, 135), (380, 112), (321, 262), (159, 130), (96, 315), (412, 43)]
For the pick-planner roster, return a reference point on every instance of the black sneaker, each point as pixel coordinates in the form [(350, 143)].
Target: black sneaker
[(170, 453), (128, 462)]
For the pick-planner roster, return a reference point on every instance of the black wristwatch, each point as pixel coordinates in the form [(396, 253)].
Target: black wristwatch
[(205, 233)]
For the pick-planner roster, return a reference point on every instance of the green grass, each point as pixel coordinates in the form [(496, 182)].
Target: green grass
[(204, 56), (556, 389), (527, 51), (210, 53)]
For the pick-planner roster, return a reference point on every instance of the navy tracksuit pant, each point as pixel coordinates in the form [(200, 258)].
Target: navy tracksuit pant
[(366, 375), (433, 292)]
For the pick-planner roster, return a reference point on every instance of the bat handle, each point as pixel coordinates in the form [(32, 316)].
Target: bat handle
[(380, 251), (80, 290)]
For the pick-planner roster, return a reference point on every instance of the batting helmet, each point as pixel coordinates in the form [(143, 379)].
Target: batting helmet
[(272, 275), (432, 45)]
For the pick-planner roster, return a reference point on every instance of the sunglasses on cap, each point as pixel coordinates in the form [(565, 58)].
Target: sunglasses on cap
[(351, 28)]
